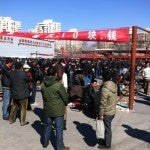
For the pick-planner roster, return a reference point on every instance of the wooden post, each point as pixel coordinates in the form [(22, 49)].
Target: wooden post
[(133, 61), (62, 53)]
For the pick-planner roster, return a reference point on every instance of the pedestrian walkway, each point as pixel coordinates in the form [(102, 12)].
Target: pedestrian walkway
[(131, 130)]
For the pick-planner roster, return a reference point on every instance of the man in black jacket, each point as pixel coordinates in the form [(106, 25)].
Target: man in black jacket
[(20, 93), (90, 101), (6, 87)]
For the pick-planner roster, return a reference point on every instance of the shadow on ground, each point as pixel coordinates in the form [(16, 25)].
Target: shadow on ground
[(39, 112), (38, 125), (137, 133), (144, 96), (88, 114), (39, 128), (89, 134), (143, 102)]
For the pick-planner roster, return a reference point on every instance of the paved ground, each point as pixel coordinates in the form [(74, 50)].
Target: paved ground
[(131, 130)]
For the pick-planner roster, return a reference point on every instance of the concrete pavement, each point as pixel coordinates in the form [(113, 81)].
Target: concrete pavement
[(131, 130)]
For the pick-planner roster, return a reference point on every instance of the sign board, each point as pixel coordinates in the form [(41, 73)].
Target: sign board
[(25, 47)]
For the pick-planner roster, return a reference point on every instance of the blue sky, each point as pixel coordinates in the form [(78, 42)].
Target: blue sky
[(80, 14)]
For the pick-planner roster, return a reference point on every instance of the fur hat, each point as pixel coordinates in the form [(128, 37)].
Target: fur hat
[(26, 66)]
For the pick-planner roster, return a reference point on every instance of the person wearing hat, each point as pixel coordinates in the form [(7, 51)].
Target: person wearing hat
[(26, 68)]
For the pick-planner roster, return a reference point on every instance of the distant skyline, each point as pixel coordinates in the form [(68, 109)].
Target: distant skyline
[(80, 14)]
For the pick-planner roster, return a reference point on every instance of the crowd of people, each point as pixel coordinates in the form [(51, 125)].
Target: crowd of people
[(64, 81)]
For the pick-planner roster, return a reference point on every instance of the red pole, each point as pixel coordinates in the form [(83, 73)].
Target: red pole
[(133, 61), (62, 53)]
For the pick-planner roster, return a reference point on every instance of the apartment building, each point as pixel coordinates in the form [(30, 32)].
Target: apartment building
[(47, 26), (9, 25), (72, 46)]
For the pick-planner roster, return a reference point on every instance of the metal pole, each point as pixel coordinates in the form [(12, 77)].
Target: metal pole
[(133, 61), (143, 29), (36, 54)]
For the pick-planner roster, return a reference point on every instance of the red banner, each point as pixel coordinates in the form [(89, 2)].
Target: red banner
[(94, 56), (110, 35)]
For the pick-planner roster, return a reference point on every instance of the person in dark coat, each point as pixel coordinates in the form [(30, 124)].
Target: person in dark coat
[(26, 69), (36, 77), (6, 69), (89, 98), (20, 93)]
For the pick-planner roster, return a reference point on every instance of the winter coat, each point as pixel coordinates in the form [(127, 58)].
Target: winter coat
[(19, 87), (5, 76), (108, 98), (90, 98), (54, 97), (36, 74), (78, 80), (88, 95)]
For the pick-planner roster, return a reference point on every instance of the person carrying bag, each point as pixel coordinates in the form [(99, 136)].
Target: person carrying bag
[(100, 129)]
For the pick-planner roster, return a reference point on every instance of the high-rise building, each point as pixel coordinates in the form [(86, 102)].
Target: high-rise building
[(72, 46), (47, 26), (9, 25)]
